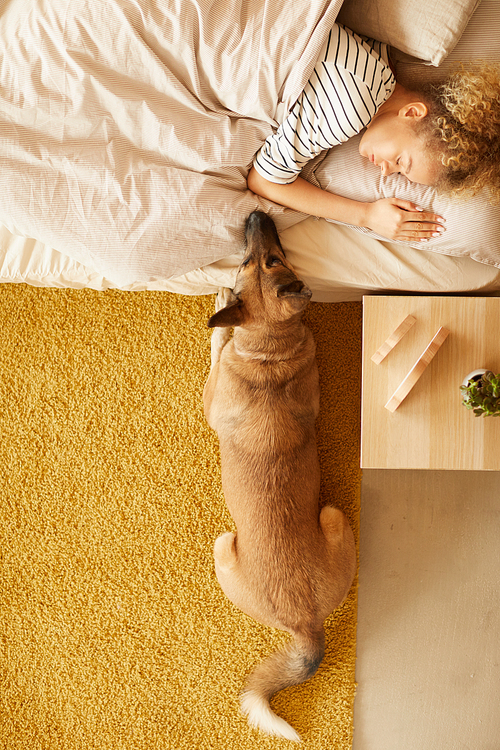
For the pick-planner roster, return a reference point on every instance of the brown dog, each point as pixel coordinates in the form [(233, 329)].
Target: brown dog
[(289, 565)]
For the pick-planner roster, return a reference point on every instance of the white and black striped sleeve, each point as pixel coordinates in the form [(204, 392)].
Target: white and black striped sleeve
[(349, 83)]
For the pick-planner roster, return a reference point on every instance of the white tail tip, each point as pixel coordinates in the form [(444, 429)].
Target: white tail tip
[(261, 716)]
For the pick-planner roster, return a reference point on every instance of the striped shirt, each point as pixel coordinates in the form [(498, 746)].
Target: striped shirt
[(351, 80)]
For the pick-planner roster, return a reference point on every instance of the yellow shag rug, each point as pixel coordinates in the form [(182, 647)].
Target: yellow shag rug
[(114, 634)]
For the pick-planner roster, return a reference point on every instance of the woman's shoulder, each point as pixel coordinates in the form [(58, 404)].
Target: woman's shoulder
[(360, 58), (344, 48)]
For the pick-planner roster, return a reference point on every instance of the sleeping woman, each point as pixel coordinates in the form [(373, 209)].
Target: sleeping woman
[(446, 135)]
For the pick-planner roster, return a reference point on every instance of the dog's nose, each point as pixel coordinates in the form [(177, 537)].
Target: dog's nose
[(259, 223), (257, 220)]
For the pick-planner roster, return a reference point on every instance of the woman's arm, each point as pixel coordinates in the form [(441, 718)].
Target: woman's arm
[(390, 217), (309, 199)]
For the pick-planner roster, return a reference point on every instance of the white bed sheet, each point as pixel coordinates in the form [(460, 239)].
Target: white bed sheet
[(338, 264)]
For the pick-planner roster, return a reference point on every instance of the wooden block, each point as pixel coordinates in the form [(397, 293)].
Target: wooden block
[(393, 339), (416, 371)]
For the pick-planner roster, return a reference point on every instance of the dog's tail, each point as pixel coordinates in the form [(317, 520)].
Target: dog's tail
[(294, 664)]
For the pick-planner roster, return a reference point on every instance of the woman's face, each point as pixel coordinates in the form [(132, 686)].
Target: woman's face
[(391, 143)]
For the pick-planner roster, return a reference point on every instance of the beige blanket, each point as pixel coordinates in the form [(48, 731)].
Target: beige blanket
[(128, 127)]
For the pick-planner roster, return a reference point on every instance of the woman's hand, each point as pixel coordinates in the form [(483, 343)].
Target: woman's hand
[(402, 220)]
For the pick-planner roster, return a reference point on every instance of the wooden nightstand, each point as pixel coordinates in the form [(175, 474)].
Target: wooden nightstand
[(430, 429)]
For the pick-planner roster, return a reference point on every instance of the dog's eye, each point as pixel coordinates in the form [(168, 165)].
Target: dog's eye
[(273, 261)]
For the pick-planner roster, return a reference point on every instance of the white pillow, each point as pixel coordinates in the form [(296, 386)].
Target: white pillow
[(480, 40), (427, 30), (472, 225)]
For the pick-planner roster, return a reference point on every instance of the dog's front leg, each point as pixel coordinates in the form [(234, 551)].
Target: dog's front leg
[(220, 336), (219, 339)]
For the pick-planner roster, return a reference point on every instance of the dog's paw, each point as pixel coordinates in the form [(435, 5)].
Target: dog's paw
[(223, 298)]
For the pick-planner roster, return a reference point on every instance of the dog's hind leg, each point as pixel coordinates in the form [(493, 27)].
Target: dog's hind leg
[(233, 583), (225, 551), (341, 556), (226, 565)]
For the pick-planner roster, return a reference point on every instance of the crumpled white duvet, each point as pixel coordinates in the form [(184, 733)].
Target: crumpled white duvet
[(127, 128)]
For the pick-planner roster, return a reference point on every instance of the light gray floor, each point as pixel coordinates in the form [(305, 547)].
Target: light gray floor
[(428, 641)]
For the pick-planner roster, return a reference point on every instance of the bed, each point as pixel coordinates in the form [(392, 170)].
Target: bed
[(128, 129)]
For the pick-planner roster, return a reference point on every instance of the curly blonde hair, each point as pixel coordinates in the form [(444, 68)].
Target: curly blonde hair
[(463, 126)]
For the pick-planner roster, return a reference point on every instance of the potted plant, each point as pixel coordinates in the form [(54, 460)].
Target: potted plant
[(481, 393)]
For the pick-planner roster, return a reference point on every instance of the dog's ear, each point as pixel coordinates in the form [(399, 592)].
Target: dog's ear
[(296, 292), (230, 316)]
